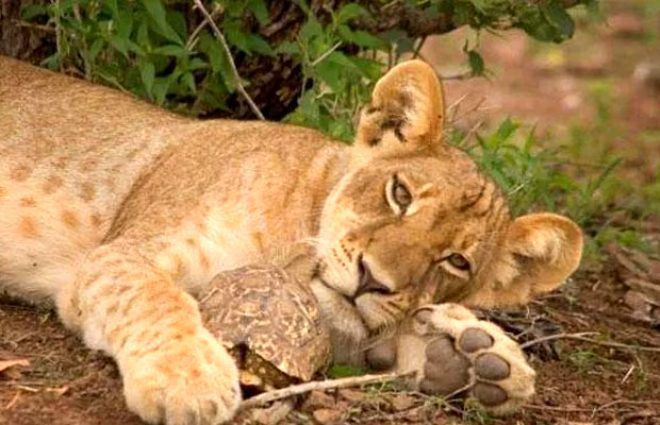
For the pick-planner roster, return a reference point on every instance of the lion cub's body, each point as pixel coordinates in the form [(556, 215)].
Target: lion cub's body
[(82, 164), (118, 212)]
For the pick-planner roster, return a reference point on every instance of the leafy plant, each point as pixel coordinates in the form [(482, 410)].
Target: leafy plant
[(163, 50), (166, 53)]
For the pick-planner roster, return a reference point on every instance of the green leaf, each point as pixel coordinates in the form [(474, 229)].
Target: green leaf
[(360, 38), (371, 69), (148, 74), (350, 11), (311, 29), (218, 59), (95, 49), (171, 50), (482, 5), (257, 44), (310, 109), (476, 62), (196, 64), (177, 20), (558, 18), (288, 48), (400, 40), (340, 59), (236, 36), (157, 12), (330, 73), (189, 79), (124, 24), (120, 44), (160, 88), (31, 11), (506, 129), (260, 10), (142, 36)]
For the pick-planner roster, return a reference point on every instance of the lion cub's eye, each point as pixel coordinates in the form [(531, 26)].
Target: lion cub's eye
[(458, 261), (400, 194)]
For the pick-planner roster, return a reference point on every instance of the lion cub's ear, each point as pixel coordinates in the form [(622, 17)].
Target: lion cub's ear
[(547, 247), (406, 110), (539, 252)]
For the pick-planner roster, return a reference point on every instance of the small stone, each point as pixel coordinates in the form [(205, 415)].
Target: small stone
[(626, 25), (402, 402), (352, 395), (319, 399), (328, 416)]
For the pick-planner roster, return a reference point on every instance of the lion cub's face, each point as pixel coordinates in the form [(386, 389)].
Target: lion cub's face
[(415, 222)]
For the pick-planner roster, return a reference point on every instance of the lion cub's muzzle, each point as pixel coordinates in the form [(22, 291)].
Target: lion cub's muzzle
[(368, 283)]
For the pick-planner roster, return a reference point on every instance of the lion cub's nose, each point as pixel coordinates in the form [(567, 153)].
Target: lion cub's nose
[(367, 281)]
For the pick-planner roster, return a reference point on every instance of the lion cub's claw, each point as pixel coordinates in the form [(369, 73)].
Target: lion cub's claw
[(465, 355), (196, 384)]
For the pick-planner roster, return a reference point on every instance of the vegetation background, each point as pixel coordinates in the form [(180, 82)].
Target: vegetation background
[(556, 99)]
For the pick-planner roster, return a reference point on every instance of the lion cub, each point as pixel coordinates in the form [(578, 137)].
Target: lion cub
[(118, 213)]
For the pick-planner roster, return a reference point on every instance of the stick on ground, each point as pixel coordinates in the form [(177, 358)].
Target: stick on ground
[(353, 381)]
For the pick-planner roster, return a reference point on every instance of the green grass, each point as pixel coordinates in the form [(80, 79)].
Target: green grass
[(574, 173)]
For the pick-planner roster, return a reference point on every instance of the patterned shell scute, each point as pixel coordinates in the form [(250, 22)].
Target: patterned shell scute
[(271, 313)]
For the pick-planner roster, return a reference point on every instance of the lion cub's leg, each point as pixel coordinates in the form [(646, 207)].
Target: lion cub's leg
[(454, 352), (173, 369)]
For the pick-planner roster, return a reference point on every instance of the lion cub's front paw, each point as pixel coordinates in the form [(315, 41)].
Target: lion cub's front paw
[(454, 352), (191, 382)]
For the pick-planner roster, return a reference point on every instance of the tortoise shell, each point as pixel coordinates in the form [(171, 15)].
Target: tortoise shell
[(269, 322)]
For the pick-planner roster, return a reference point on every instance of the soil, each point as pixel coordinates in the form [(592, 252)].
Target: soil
[(609, 381)]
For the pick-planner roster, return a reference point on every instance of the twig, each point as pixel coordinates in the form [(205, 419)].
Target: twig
[(609, 405), (556, 408), (58, 33), (13, 401), (581, 337), (192, 40), (30, 25), (618, 344), (627, 375), (225, 46), (553, 337), (325, 54), (353, 381), (418, 49)]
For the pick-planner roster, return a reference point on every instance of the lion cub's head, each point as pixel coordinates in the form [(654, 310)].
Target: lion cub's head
[(414, 221)]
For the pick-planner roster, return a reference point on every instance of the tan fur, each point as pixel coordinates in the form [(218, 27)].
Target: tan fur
[(117, 211)]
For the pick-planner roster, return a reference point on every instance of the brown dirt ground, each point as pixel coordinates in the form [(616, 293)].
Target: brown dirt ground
[(585, 383)]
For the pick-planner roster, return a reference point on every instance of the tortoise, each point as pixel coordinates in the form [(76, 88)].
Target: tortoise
[(270, 323)]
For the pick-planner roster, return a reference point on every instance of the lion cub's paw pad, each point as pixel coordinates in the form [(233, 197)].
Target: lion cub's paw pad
[(468, 356)]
